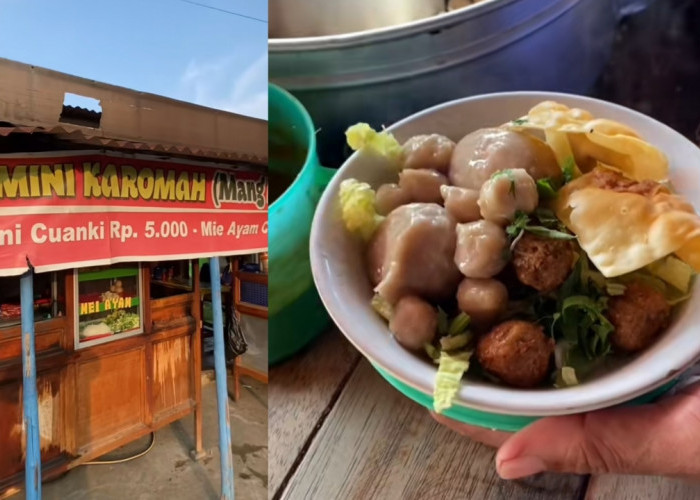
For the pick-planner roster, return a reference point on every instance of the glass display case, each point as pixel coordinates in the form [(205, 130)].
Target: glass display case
[(49, 298), (108, 304)]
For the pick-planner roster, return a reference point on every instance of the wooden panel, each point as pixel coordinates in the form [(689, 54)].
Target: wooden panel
[(196, 346), (616, 487), (110, 396), (146, 287), (12, 348), (252, 310), (48, 336), (47, 361), (171, 376), (69, 290), (171, 308), (52, 426), (376, 444), (300, 392)]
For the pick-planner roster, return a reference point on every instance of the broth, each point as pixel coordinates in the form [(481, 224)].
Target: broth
[(287, 157)]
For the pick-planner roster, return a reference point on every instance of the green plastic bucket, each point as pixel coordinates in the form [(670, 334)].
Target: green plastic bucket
[(495, 421), (295, 312)]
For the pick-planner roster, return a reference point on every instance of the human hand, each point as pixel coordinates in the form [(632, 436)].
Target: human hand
[(657, 439)]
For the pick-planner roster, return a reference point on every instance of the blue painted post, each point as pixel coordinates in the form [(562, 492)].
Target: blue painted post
[(221, 389), (32, 465)]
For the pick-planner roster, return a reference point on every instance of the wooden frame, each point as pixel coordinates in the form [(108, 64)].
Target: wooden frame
[(249, 309), (244, 307)]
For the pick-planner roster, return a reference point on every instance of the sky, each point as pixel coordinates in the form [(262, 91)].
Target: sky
[(167, 47)]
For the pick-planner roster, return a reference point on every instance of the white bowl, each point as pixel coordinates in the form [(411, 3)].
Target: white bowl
[(340, 276)]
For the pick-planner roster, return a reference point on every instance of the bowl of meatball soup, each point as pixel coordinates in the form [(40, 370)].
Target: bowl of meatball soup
[(509, 256)]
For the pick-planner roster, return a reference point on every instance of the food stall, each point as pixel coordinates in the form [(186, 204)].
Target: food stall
[(94, 352)]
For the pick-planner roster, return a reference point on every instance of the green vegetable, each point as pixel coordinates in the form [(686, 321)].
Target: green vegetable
[(432, 352), (568, 375), (509, 174), (452, 343), (569, 169), (546, 189), (383, 307), (522, 223), (121, 321), (443, 322), (582, 322), (519, 121), (459, 324), (357, 208), (673, 271), (614, 289), (448, 378), (547, 218), (518, 225), (549, 233)]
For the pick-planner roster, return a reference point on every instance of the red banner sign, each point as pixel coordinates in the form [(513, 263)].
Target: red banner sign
[(72, 209)]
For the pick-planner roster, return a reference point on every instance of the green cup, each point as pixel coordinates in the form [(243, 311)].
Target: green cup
[(295, 312)]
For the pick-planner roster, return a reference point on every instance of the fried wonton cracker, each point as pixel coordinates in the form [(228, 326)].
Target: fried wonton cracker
[(593, 140), (625, 226)]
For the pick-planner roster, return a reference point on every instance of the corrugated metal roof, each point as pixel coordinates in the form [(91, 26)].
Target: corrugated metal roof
[(81, 135), (33, 100)]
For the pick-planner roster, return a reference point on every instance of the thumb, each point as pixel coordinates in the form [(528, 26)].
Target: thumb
[(660, 439)]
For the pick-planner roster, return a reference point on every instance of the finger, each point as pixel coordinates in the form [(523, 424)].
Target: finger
[(662, 438), (483, 435)]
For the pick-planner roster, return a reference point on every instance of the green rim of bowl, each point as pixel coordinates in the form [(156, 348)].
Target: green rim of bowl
[(495, 421)]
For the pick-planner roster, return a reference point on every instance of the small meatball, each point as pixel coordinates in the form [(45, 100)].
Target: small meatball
[(412, 253), (542, 263), (389, 197), (639, 316), (505, 193), (481, 154), (422, 186), (517, 352), (414, 322), (484, 300), (462, 204), (481, 249), (432, 151)]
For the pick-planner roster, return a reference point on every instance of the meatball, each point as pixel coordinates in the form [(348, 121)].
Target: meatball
[(484, 300), (462, 204), (412, 253), (506, 193), (542, 263), (517, 352), (414, 322), (422, 186), (639, 316), (481, 154), (481, 249), (389, 197), (428, 151)]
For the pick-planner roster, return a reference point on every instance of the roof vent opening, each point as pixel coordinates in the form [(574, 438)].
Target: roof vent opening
[(81, 110)]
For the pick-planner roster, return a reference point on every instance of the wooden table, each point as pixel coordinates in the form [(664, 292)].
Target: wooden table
[(339, 431)]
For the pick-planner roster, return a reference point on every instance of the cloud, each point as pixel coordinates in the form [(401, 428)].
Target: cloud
[(220, 84)]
